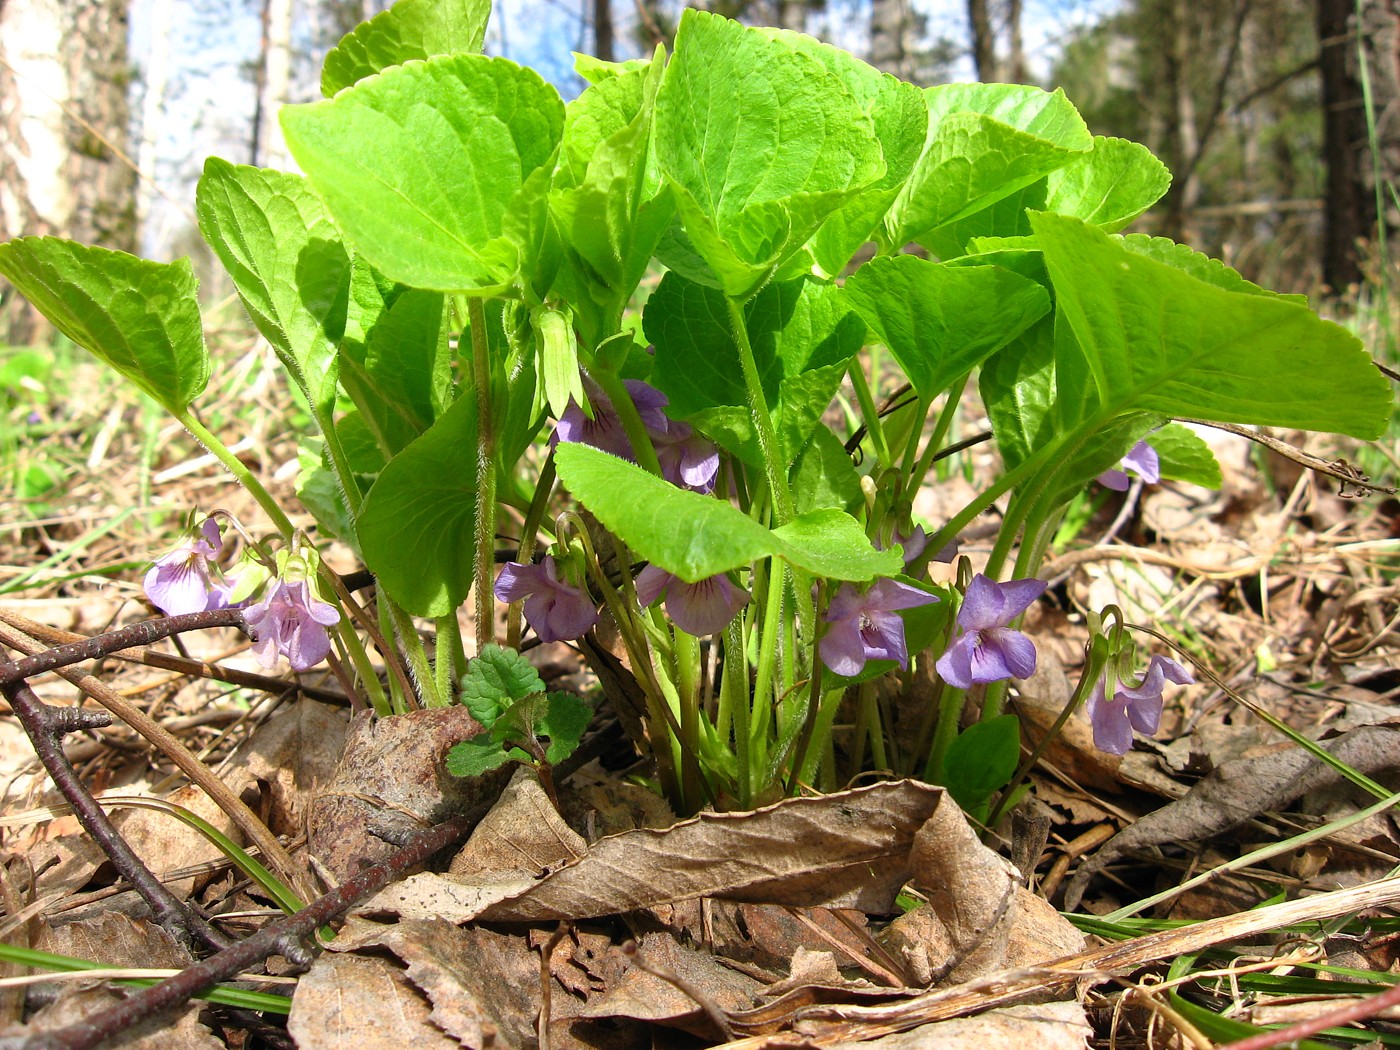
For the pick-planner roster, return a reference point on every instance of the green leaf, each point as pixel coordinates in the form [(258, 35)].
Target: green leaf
[(824, 475), (408, 30), (276, 240), (982, 759), (422, 165), (1109, 186), (603, 197), (1004, 217), (793, 327), (597, 70), (1157, 339), (1200, 266), (760, 143), (941, 321), (495, 678), (565, 720), (1017, 385), (476, 755), (695, 536), (985, 142), (416, 523), (900, 118), (140, 317), (1185, 456)]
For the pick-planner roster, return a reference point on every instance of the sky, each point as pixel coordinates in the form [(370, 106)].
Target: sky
[(214, 44)]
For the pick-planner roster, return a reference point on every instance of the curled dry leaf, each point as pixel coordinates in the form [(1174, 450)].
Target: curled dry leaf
[(1240, 789), (391, 774), (523, 833), (76, 1004), (848, 850)]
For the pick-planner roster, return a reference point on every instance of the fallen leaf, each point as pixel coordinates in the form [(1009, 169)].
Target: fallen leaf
[(355, 1002), (1045, 1026), (76, 1004)]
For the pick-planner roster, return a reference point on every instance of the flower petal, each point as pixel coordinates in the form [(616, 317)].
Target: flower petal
[(841, 648), (706, 607), (1112, 733), (1017, 651), (651, 583), (955, 666), (887, 595), (516, 581), (1117, 481), (1142, 459)]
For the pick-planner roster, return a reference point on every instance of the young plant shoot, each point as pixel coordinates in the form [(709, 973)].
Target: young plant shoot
[(709, 493)]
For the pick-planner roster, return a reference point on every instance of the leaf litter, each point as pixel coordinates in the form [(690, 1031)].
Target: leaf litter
[(765, 941)]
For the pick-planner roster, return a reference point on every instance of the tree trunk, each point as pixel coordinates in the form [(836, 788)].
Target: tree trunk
[(1016, 58), (63, 131), (984, 44), (274, 81), (603, 33), (891, 25), (1349, 206)]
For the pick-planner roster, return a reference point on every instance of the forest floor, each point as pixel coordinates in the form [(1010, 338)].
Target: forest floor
[(1272, 875)]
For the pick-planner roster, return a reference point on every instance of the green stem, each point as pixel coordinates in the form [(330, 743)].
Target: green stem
[(940, 431), (734, 701), (485, 478), (773, 469), (399, 692), (424, 680), (345, 630), (870, 412), (763, 692), (529, 532), (820, 739), (450, 659)]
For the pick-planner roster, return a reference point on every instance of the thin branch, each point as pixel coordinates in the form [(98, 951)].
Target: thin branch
[(1341, 470), (46, 726), (138, 634), (163, 740)]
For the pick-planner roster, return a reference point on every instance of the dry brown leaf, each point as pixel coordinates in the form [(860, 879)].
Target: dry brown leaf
[(523, 833), (294, 754), (849, 850), (355, 1002), (675, 999), (166, 843), (1241, 789), (483, 986), (76, 1004), (970, 891), (391, 774), (115, 941), (1046, 1026)]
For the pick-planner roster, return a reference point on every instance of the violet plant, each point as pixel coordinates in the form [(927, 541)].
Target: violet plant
[(452, 284)]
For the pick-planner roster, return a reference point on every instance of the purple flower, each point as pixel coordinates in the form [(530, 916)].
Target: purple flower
[(701, 609), (1142, 460), (185, 581), (292, 621), (686, 458), (556, 609), (1140, 707), (864, 625), (604, 431), (988, 650)]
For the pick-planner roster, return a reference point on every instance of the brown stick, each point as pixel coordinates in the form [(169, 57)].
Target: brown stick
[(243, 818)]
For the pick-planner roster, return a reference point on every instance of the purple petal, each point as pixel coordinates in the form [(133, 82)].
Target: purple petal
[(882, 634), (517, 581), (845, 604), (841, 648), (210, 542), (651, 583), (179, 583), (1112, 733), (991, 604), (706, 607), (886, 595), (1171, 670), (1016, 650), (1145, 712), (1118, 482), (1143, 460), (955, 666)]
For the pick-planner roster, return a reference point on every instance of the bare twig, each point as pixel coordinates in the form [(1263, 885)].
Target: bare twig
[(46, 726), (143, 633), (284, 936), (1349, 476), (243, 818)]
